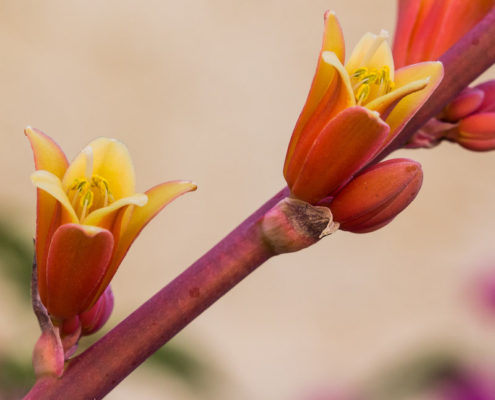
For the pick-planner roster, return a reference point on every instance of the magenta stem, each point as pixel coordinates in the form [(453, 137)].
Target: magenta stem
[(99, 369)]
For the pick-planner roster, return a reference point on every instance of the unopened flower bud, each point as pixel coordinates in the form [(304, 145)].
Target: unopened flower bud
[(93, 319), (488, 104), (476, 132), (48, 355), (376, 196), (293, 224), (466, 103)]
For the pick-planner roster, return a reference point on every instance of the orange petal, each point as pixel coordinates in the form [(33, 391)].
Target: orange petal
[(133, 219), (343, 147), (333, 41), (421, 41), (77, 260), (338, 97), (409, 105), (458, 17), (407, 18), (50, 157)]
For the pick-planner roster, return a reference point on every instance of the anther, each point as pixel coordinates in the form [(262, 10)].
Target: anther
[(362, 93)]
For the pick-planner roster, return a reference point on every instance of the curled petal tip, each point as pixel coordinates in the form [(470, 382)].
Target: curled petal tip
[(329, 13)]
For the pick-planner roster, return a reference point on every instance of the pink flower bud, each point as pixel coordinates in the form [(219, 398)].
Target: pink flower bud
[(476, 132), (488, 104), (466, 103), (377, 196), (93, 319)]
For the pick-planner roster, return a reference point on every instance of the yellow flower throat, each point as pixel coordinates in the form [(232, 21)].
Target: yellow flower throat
[(370, 82), (90, 192)]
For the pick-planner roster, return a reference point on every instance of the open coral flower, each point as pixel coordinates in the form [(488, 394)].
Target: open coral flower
[(88, 214), (352, 111), (428, 28)]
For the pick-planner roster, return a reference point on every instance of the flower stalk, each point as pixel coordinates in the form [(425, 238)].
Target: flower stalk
[(95, 372)]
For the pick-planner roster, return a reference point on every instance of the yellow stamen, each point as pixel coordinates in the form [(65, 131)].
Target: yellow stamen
[(359, 72), (86, 203), (362, 93), (102, 184)]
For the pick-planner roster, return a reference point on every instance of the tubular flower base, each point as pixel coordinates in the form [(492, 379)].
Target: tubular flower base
[(428, 28), (88, 215), (352, 112)]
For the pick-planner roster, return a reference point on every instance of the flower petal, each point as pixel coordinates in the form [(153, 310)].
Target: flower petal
[(409, 105), (50, 157), (47, 154), (383, 103), (52, 185), (103, 216), (457, 18), (407, 19), (77, 260), (109, 159), (372, 51), (342, 148), (338, 97), (134, 219), (333, 41)]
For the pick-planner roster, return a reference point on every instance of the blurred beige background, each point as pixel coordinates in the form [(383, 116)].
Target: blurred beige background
[(210, 91)]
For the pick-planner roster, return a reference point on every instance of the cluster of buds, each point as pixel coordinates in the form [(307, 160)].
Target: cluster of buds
[(88, 215), (353, 112), (427, 29), (468, 120)]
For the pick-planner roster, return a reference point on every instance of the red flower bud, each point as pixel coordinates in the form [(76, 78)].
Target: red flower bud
[(377, 196), (476, 132), (488, 104), (466, 103), (93, 319)]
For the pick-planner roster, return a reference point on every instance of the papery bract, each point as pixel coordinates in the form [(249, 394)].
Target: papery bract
[(352, 112), (88, 215), (377, 195)]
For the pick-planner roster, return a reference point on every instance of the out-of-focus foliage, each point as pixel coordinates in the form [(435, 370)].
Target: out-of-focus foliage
[(16, 377), (183, 364), (413, 375), (16, 254)]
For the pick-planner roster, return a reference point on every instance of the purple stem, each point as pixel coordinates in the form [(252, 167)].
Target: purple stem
[(99, 369)]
